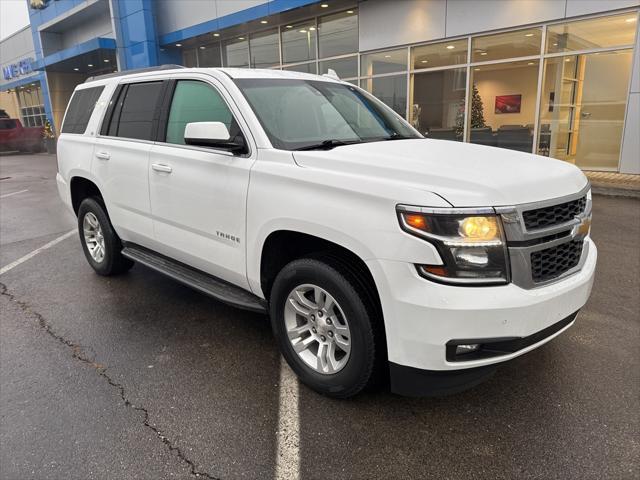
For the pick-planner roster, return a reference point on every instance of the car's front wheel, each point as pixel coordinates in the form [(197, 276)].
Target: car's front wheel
[(101, 244), (322, 322)]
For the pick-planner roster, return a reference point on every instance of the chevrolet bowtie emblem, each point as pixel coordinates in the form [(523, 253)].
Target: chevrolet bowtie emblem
[(585, 227)]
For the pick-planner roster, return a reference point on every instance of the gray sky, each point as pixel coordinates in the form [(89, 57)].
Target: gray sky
[(14, 15)]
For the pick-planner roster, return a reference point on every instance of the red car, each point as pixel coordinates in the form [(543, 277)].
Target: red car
[(13, 136)]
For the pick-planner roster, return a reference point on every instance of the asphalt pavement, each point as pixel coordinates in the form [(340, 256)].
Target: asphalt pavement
[(138, 377)]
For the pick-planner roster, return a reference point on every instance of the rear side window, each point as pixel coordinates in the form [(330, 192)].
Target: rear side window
[(135, 116), (195, 101), (7, 124), (80, 109)]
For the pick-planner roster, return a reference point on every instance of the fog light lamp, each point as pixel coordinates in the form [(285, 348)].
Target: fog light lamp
[(470, 348)]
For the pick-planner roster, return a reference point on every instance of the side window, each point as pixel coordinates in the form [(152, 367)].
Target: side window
[(195, 101), (80, 109), (137, 112)]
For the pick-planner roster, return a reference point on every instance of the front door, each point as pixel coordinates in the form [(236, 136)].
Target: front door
[(198, 195)]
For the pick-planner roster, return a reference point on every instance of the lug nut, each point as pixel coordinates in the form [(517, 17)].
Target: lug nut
[(329, 322), (313, 318), (320, 314), (314, 330), (330, 334), (323, 338)]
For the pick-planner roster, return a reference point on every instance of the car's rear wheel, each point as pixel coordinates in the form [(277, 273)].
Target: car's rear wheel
[(323, 326), (101, 245)]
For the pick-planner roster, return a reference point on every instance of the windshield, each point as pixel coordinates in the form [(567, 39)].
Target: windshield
[(307, 114)]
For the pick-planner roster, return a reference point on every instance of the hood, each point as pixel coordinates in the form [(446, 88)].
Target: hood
[(464, 174)]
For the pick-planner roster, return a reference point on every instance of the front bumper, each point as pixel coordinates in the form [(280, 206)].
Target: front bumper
[(421, 317)]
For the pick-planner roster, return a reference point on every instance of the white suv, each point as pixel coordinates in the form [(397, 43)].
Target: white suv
[(377, 253)]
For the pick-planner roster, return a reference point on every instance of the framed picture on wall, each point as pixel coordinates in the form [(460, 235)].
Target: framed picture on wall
[(508, 103)]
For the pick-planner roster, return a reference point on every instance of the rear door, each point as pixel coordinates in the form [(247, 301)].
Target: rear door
[(122, 158), (198, 194)]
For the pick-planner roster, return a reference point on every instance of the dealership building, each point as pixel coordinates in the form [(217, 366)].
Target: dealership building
[(555, 77)]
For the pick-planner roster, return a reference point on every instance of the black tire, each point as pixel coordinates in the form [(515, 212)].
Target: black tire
[(360, 369), (113, 262)]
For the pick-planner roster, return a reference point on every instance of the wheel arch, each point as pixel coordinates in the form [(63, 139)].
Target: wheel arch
[(81, 188)]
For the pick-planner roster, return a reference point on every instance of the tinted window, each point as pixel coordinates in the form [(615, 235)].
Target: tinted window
[(80, 109), (138, 110), (195, 101), (7, 124)]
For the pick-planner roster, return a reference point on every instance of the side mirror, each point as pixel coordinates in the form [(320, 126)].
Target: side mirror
[(212, 134)]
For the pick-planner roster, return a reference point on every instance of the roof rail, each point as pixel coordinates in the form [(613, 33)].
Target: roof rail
[(135, 70)]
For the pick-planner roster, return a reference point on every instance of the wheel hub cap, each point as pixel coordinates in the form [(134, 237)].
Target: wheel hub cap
[(317, 329), (93, 237)]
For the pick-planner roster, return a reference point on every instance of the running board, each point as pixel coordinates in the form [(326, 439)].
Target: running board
[(196, 279)]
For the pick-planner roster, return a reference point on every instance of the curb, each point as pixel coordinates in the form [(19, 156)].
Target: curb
[(615, 192)]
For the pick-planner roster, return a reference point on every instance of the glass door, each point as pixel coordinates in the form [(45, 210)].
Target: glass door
[(583, 106)]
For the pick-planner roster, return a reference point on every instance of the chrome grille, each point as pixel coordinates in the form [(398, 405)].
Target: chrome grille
[(554, 214), (552, 262)]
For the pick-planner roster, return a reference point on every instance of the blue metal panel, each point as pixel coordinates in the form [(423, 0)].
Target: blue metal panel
[(85, 47), (135, 33), (140, 55), (243, 16)]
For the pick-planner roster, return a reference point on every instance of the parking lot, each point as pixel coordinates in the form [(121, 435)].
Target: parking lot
[(140, 377)]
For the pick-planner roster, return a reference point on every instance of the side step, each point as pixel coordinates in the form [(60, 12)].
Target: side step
[(196, 279)]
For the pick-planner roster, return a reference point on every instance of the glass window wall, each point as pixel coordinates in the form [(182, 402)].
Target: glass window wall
[(344, 67), (437, 103), (383, 62), (503, 104), (521, 43), (602, 32), (439, 54), (299, 42), (235, 52), (209, 55), (338, 34), (392, 90), (264, 48)]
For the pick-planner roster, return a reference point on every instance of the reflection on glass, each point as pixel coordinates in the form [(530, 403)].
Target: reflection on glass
[(503, 105), (383, 62), (299, 42), (264, 49), (344, 67), (304, 68), (613, 31), (391, 90), (521, 43), (437, 103), (338, 34), (582, 108), (209, 55), (439, 54), (189, 58), (236, 52)]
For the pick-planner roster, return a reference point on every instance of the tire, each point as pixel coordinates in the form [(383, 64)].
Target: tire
[(111, 262), (350, 373)]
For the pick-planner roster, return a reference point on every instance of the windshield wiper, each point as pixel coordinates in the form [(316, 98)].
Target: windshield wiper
[(328, 144)]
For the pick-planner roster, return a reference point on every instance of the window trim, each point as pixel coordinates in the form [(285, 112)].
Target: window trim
[(66, 112)]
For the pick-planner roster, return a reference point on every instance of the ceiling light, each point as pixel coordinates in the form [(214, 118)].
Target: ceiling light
[(178, 44), (477, 69), (216, 34), (263, 21), (531, 63), (76, 69), (324, 5), (555, 44), (387, 56), (349, 11), (302, 31), (289, 26), (450, 47), (202, 47), (106, 60), (529, 35), (630, 20), (240, 38), (90, 65), (483, 53), (567, 59), (424, 61), (312, 29)]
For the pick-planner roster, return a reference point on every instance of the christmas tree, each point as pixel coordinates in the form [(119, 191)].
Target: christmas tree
[(477, 110)]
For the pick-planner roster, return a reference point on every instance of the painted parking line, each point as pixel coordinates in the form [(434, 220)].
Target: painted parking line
[(13, 193), (288, 441), (30, 255)]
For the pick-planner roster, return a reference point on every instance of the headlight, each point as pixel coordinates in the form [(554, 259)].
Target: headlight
[(470, 241)]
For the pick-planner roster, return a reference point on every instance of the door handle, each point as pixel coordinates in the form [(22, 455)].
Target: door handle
[(159, 167), (103, 155)]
